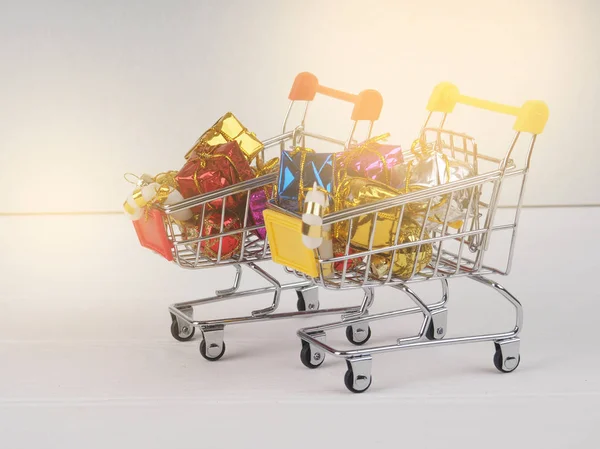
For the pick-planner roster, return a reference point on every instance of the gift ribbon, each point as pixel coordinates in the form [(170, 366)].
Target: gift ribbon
[(167, 183), (264, 169), (368, 146)]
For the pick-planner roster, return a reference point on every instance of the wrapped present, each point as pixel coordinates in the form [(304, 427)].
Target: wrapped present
[(354, 192), (228, 129), (432, 168), (339, 249), (406, 259), (299, 169), (213, 168), (211, 225), (260, 196), (369, 159)]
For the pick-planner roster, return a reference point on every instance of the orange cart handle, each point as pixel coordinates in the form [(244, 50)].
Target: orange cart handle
[(367, 104)]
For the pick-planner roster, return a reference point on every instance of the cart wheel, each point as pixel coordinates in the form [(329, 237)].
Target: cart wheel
[(505, 366), (309, 359), (356, 339), (186, 333), (349, 382), (209, 357), (310, 302)]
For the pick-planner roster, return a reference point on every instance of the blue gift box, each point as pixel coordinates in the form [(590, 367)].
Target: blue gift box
[(300, 169)]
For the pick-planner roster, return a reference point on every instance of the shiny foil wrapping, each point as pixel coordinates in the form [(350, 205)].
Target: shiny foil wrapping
[(405, 258), (369, 159), (231, 244), (299, 170), (227, 129), (257, 204), (360, 191), (339, 249), (433, 169), (354, 192), (259, 197), (212, 169)]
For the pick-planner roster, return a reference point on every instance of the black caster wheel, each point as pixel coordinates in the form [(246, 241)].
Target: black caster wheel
[(430, 333), (186, 333), (210, 357), (309, 359), (301, 305), (349, 382), (353, 340), (505, 367)]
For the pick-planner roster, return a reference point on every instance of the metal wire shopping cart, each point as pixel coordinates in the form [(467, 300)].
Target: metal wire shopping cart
[(186, 250), (454, 250)]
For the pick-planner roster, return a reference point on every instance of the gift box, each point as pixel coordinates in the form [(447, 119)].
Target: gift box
[(260, 196), (405, 258), (354, 192), (299, 170), (432, 168), (228, 129), (370, 159), (211, 225), (213, 168)]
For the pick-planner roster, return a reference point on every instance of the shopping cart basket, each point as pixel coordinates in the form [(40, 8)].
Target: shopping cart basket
[(186, 250), (456, 250)]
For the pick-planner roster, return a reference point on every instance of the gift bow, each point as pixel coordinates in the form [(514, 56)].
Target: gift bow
[(167, 183)]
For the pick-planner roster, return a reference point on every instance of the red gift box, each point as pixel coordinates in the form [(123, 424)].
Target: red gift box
[(213, 168)]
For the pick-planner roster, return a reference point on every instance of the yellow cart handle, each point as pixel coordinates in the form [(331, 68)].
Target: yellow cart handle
[(531, 117)]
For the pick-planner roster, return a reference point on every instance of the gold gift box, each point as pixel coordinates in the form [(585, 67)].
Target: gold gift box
[(354, 192), (227, 129)]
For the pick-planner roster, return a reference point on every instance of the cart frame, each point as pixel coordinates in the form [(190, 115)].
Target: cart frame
[(186, 251), (474, 236)]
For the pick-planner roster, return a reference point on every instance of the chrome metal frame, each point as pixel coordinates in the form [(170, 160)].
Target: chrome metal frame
[(187, 254), (455, 252)]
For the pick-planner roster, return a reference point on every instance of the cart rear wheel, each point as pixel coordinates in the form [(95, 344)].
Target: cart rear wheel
[(359, 338), (349, 382), (186, 333), (309, 359), (211, 358), (505, 366)]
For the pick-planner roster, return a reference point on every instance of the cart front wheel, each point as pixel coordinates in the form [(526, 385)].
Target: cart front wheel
[(186, 333), (360, 386), (505, 365), (209, 356), (309, 358)]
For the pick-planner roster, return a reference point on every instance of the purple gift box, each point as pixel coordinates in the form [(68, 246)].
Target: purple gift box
[(367, 161), (257, 204)]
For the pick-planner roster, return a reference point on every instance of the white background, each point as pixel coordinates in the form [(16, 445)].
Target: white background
[(90, 90)]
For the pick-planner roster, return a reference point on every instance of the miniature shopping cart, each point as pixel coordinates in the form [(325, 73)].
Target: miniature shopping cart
[(186, 251), (456, 250)]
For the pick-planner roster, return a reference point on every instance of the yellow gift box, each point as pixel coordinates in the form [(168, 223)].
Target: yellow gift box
[(227, 129)]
